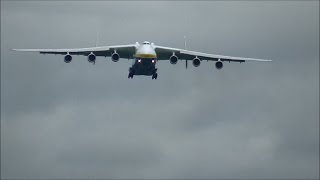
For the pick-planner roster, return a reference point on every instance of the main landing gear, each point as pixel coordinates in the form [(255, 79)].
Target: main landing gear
[(130, 75), (155, 76)]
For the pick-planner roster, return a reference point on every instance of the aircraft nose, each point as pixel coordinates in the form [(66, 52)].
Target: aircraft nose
[(149, 50)]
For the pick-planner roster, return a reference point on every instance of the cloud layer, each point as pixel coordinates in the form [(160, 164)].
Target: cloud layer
[(250, 120)]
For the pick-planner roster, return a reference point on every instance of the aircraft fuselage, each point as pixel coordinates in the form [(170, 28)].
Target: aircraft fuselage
[(145, 61)]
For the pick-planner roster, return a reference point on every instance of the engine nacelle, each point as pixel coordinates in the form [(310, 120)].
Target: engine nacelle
[(173, 59), (196, 62), (91, 58), (115, 57), (219, 65), (67, 58)]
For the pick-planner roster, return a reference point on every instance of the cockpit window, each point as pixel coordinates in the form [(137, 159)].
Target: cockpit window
[(145, 43)]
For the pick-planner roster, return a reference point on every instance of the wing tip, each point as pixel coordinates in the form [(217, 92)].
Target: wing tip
[(262, 60), (18, 49)]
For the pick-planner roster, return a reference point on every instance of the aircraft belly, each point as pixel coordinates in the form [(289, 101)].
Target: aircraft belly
[(143, 68)]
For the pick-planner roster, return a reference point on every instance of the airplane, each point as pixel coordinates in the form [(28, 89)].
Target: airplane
[(145, 56)]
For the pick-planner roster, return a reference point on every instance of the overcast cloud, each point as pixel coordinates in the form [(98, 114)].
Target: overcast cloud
[(78, 120)]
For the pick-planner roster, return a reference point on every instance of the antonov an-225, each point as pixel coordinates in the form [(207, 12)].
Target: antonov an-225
[(145, 56)]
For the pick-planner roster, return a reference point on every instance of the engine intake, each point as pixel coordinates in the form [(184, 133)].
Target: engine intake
[(67, 58), (196, 62), (115, 57), (219, 65), (173, 59), (91, 58)]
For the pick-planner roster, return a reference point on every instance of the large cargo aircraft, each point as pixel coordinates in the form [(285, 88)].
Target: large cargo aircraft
[(145, 56)]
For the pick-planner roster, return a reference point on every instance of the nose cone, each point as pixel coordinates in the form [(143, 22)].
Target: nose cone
[(146, 51)]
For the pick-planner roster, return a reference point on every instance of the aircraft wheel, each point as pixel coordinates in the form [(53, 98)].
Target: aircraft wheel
[(155, 76), (130, 75)]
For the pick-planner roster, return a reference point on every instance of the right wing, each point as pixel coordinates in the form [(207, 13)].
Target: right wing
[(164, 53), (125, 51)]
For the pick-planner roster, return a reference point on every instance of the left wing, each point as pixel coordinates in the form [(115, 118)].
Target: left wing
[(164, 53), (125, 51)]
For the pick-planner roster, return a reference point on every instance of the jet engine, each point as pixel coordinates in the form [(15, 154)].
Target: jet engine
[(196, 62), (173, 59), (115, 57), (92, 58), (219, 65), (67, 58)]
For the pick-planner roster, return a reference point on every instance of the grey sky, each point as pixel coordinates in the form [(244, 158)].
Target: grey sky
[(250, 120)]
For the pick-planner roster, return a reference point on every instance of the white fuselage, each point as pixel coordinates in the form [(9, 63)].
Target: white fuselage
[(145, 60), (145, 50)]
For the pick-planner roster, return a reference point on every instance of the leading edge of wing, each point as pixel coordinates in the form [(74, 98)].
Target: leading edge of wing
[(212, 56), (75, 50), (63, 50)]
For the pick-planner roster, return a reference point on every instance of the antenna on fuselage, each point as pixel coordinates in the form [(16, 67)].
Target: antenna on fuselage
[(185, 47), (185, 42)]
